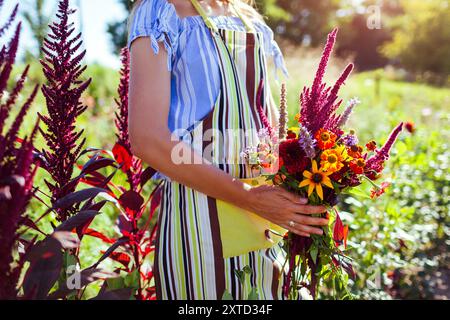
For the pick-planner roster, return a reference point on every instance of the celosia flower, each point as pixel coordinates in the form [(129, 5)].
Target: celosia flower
[(357, 165), (377, 192), (355, 151), (371, 145), (315, 179), (325, 139), (332, 159)]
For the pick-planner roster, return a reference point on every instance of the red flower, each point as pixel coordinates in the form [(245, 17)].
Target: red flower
[(293, 157), (340, 232), (291, 135), (411, 127), (325, 139), (377, 192), (357, 165), (371, 146)]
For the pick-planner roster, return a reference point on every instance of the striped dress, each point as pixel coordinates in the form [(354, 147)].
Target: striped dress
[(215, 79)]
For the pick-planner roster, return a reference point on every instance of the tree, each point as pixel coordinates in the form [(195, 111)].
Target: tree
[(365, 28), (119, 29), (421, 39), (306, 21), (38, 21)]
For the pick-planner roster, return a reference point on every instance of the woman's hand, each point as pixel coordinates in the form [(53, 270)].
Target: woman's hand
[(282, 208)]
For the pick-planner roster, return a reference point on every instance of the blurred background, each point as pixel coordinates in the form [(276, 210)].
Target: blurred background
[(401, 49)]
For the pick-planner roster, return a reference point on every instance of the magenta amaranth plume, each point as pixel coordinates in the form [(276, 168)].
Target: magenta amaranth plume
[(62, 69), (319, 103), (375, 163)]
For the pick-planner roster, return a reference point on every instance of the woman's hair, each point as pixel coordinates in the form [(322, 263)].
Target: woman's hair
[(246, 7)]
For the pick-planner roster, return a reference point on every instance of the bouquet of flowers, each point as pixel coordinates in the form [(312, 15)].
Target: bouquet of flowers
[(319, 160)]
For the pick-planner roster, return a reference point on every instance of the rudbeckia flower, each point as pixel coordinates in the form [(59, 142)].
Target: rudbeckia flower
[(315, 179), (332, 159), (325, 139)]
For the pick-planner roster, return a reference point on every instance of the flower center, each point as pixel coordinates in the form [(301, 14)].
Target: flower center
[(332, 158), (317, 177), (354, 148), (360, 163), (325, 136)]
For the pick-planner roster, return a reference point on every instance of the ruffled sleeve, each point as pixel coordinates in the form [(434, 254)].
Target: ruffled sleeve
[(158, 20), (272, 49)]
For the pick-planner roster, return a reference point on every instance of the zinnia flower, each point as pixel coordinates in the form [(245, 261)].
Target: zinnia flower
[(332, 159), (325, 139), (357, 165), (315, 179)]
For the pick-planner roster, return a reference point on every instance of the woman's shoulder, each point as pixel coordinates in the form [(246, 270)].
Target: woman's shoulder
[(158, 20)]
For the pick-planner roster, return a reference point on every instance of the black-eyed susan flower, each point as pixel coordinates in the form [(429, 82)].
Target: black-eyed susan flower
[(325, 139), (315, 179)]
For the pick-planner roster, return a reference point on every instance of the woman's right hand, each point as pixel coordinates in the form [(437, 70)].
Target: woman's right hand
[(282, 208)]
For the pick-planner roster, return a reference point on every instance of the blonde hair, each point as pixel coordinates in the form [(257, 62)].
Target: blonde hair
[(246, 7)]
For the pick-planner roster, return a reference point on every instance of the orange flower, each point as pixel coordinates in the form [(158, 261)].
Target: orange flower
[(315, 180), (325, 139), (371, 146), (355, 151), (332, 159), (357, 165), (298, 118)]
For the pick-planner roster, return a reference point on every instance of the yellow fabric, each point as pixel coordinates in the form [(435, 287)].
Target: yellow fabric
[(243, 231)]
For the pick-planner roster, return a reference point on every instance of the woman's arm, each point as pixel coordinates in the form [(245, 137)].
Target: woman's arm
[(151, 141)]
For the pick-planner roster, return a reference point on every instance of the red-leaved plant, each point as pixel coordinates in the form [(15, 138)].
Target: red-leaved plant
[(16, 170), (137, 240)]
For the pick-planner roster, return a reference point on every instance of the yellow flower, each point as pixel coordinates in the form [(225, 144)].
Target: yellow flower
[(332, 159), (315, 180)]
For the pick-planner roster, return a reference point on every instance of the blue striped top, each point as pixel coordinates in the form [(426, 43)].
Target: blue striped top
[(192, 57)]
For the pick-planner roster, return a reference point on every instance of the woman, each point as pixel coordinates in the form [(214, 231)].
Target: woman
[(199, 64)]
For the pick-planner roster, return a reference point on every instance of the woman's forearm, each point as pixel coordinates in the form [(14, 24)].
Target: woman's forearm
[(200, 175)]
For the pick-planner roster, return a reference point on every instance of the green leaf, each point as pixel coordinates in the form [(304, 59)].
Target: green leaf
[(253, 295), (132, 279), (241, 276), (356, 192), (115, 283), (314, 252), (248, 270), (227, 296)]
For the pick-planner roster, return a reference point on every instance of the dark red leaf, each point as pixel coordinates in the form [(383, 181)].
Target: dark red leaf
[(81, 219), (122, 156), (96, 163), (77, 197), (132, 202), (120, 257), (146, 175), (119, 294)]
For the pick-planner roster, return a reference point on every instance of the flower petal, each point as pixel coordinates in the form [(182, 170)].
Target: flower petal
[(304, 183), (311, 189), (314, 166), (326, 181), (319, 191), (307, 174)]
